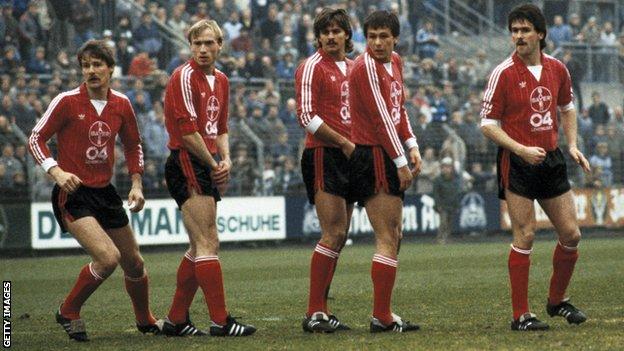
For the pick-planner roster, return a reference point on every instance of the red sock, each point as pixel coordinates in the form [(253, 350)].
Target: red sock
[(564, 259), (519, 264), (383, 273), (186, 286), (209, 276), (321, 273), (138, 289), (88, 281)]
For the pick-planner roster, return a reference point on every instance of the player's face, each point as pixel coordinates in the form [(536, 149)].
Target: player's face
[(525, 38), (95, 72), (332, 40), (381, 43), (205, 49)]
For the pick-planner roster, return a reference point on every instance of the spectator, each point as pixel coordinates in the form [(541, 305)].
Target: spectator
[(10, 133), (155, 136), (12, 164), (25, 117), (482, 67), (123, 29), (446, 195), (244, 172), (576, 27), (242, 44), (288, 179), (61, 63), (287, 48), (427, 41), (146, 35), (286, 67), (232, 26), (82, 16), (269, 94), (607, 36), (591, 32), (219, 12), (421, 130), (183, 56), (281, 148), (38, 63), (618, 120), (141, 65), (430, 169), (598, 111), (439, 107), (577, 71), (177, 21), (602, 162), (30, 30), (270, 28), (124, 54), (10, 61), (11, 26), (560, 32)]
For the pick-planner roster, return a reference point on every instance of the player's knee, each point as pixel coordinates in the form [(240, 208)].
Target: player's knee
[(571, 237), (136, 267), (108, 262), (333, 240)]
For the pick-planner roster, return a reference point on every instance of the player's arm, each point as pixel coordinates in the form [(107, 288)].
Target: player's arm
[(569, 125), (50, 123), (225, 165), (491, 114), (133, 151), (186, 116), (366, 83), (194, 143), (308, 88), (568, 119)]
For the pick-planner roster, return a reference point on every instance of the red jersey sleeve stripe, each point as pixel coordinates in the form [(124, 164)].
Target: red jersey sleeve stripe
[(37, 147), (306, 88), (381, 104), (491, 87), (185, 85)]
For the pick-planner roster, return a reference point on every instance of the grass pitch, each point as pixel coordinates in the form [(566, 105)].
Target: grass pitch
[(458, 293)]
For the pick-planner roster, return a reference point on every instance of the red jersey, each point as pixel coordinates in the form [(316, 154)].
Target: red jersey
[(192, 106), (86, 140), (322, 96), (377, 106), (526, 107)]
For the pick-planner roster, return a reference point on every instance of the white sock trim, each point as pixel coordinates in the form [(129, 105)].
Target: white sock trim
[(206, 258), (94, 273), (385, 260), (522, 251), (189, 256), (326, 251), (568, 248)]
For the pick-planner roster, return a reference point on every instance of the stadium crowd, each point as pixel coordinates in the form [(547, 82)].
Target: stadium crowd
[(265, 41)]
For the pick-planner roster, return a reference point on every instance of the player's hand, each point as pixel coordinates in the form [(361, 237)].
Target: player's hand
[(405, 177), (414, 156), (580, 159), (68, 182), (136, 201), (222, 174), (347, 149), (533, 155)]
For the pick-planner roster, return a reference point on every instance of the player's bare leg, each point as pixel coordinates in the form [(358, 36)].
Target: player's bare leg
[(522, 215), (135, 277), (104, 256), (199, 216), (334, 216), (562, 213), (385, 213)]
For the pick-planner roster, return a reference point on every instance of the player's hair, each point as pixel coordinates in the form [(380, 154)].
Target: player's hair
[(202, 25), (382, 19), (98, 49), (339, 17), (531, 14)]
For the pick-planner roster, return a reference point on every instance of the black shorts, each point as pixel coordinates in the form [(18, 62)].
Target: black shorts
[(371, 170), (325, 168), (184, 172), (104, 204), (543, 181)]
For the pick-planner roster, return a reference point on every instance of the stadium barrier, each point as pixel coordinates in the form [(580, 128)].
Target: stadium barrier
[(25, 225)]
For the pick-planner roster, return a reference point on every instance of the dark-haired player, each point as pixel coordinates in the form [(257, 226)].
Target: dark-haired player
[(520, 106)]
